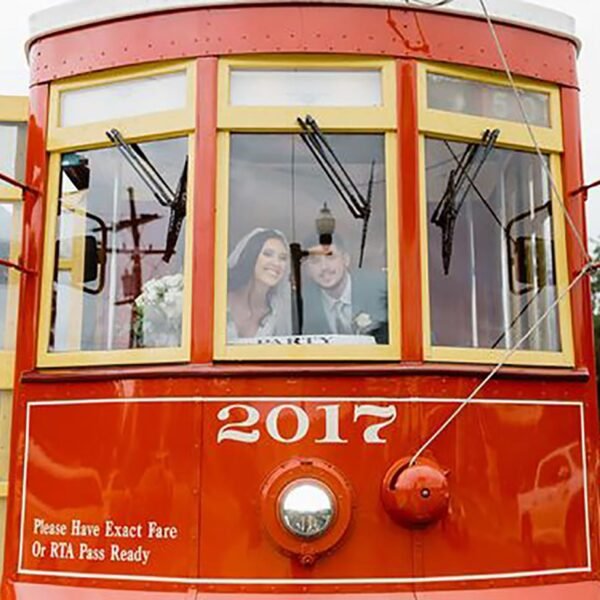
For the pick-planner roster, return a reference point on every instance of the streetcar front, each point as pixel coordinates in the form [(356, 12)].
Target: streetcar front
[(304, 305)]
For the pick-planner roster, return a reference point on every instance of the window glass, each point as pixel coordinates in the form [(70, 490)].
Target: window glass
[(286, 283), (118, 277), (130, 98), (297, 87), (480, 99), (491, 249), (10, 227), (12, 154)]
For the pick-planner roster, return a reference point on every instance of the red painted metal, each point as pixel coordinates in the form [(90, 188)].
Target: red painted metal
[(300, 28), (152, 454), (204, 193), (410, 218)]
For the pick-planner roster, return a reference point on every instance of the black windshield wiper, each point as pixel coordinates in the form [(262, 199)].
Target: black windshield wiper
[(460, 180), (357, 204), (176, 200)]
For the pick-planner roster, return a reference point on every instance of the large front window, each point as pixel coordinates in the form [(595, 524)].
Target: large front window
[(307, 252), (119, 220), (494, 251)]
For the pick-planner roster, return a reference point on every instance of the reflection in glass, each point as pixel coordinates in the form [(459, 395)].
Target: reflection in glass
[(130, 98), (115, 286), (501, 276), (12, 143), (10, 228), (309, 87), (456, 94), (277, 191)]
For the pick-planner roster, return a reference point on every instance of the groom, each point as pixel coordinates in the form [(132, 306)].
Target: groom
[(339, 300)]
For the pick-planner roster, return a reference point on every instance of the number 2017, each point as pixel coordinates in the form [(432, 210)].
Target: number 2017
[(244, 430)]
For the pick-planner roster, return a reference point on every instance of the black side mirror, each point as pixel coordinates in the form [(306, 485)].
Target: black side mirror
[(94, 263)]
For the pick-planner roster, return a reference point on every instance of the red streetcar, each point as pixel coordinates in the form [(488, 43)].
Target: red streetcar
[(304, 304)]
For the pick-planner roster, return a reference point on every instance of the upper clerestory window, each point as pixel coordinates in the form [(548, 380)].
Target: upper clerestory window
[(115, 275)]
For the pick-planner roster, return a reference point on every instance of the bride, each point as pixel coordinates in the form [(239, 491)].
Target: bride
[(257, 286)]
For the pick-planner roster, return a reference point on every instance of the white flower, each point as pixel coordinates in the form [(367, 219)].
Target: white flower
[(159, 308), (362, 322)]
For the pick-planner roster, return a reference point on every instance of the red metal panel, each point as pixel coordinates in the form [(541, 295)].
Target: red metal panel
[(204, 211), (511, 510), (310, 28), (111, 488), (409, 209)]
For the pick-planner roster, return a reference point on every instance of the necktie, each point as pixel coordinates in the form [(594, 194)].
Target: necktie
[(342, 322)]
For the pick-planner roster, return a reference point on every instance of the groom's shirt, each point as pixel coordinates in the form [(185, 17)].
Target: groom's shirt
[(338, 311)]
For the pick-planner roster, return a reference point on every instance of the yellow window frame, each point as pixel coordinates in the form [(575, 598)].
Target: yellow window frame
[(13, 109), (93, 135), (283, 120), (153, 127), (513, 134), (453, 126)]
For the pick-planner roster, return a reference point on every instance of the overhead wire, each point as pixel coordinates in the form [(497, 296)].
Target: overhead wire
[(530, 131), (589, 266)]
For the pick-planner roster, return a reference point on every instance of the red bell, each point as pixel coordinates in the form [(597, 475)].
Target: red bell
[(415, 495)]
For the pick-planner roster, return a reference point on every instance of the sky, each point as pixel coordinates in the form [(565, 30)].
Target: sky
[(14, 76)]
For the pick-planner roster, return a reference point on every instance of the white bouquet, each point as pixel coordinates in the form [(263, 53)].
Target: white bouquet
[(159, 309)]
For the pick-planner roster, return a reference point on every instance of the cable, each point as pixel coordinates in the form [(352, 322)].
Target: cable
[(527, 123), (588, 267)]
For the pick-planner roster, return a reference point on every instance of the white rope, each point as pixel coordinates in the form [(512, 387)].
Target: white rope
[(527, 123), (589, 262), (502, 362)]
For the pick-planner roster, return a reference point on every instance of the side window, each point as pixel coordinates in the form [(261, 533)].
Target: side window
[(13, 133), (493, 243), (115, 288), (304, 210)]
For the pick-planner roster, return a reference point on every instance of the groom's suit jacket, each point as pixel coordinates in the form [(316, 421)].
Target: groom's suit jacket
[(369, 299)]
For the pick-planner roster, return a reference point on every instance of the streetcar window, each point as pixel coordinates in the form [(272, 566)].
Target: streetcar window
[(495, 256), (129, 98), (306, 214), (456, 94), (277, 192), (491, 271), (118, 280), (12, 143), (304, 87)]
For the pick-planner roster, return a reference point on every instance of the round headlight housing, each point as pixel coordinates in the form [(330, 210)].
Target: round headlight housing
[(307, 508)]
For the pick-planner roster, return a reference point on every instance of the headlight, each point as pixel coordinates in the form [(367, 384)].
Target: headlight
[(307, 508)]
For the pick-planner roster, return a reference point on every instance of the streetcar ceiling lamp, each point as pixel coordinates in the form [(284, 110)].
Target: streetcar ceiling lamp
[(325, 224)]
